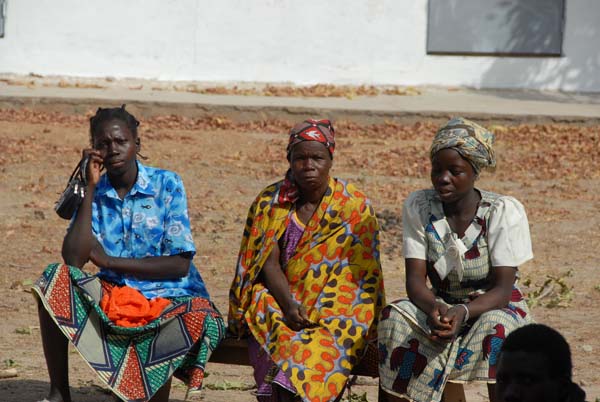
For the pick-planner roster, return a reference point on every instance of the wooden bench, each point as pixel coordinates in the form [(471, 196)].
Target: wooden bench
[(235, 351)]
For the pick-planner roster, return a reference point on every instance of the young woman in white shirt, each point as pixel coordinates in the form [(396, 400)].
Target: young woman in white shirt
[(468, 243)]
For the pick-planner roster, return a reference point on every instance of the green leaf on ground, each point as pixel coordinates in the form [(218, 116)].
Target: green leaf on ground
[(553, 292), (356, 398), (23, 331), (230, 385)]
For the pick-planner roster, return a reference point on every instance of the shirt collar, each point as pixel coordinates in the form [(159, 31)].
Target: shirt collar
[(142, 184), (437, 208)]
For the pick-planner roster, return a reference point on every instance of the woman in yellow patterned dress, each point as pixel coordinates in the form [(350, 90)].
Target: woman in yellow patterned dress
[(469, 244), (308, 285)]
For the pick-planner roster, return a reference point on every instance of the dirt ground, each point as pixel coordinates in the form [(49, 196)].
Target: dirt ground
[(554, 170)]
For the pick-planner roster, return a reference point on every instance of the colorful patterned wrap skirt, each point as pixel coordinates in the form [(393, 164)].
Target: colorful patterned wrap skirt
[(133, 362), (417, 368)]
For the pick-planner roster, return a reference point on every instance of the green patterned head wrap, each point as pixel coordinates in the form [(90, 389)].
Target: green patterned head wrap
[(472, 141)]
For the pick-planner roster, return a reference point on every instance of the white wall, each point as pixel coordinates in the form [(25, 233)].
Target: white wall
[(298, 41)]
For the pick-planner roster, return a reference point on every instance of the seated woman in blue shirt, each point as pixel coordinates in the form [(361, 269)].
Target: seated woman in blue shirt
[(133, 224)]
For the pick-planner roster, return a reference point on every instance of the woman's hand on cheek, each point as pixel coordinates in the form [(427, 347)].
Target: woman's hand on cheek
[(94, 166)]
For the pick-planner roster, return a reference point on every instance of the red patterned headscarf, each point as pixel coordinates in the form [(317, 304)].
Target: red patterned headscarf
[(313, 130)]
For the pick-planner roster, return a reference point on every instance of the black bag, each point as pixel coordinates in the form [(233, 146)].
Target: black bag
[(73, 194)]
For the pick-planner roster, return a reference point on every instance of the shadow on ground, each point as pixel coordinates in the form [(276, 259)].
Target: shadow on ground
[(15, 390)]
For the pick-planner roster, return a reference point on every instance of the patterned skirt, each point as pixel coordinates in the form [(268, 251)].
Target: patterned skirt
[(414, 367), (133, 362)]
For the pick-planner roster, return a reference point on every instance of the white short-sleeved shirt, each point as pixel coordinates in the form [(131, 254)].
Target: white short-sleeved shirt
[(507, 235)]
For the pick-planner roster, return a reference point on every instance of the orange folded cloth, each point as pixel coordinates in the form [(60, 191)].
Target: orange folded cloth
[(127, 307)]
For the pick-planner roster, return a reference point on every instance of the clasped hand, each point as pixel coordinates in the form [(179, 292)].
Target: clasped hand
[(295, 316), (445, 322)]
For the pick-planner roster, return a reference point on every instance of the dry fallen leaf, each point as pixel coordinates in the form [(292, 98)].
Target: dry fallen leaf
[(9, 373)]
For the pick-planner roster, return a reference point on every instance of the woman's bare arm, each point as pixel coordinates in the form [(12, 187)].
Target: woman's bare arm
[(278, 285), (162, 267), (422, 296), (79, 240), (497, 297)]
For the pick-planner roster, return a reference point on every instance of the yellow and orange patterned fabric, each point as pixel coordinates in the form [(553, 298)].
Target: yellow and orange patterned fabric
[(335, 273)]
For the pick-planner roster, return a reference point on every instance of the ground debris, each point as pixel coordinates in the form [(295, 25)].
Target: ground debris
[(9, 373)]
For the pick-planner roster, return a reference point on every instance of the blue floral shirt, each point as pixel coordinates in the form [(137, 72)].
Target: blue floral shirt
[(152, 220)]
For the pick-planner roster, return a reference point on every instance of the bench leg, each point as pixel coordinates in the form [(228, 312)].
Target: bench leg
[(492, 392), (454, 392)]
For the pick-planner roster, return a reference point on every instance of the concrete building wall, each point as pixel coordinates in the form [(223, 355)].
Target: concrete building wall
[(300, 42)]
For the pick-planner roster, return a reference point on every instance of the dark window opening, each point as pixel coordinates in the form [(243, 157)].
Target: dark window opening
[(496, 27)]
